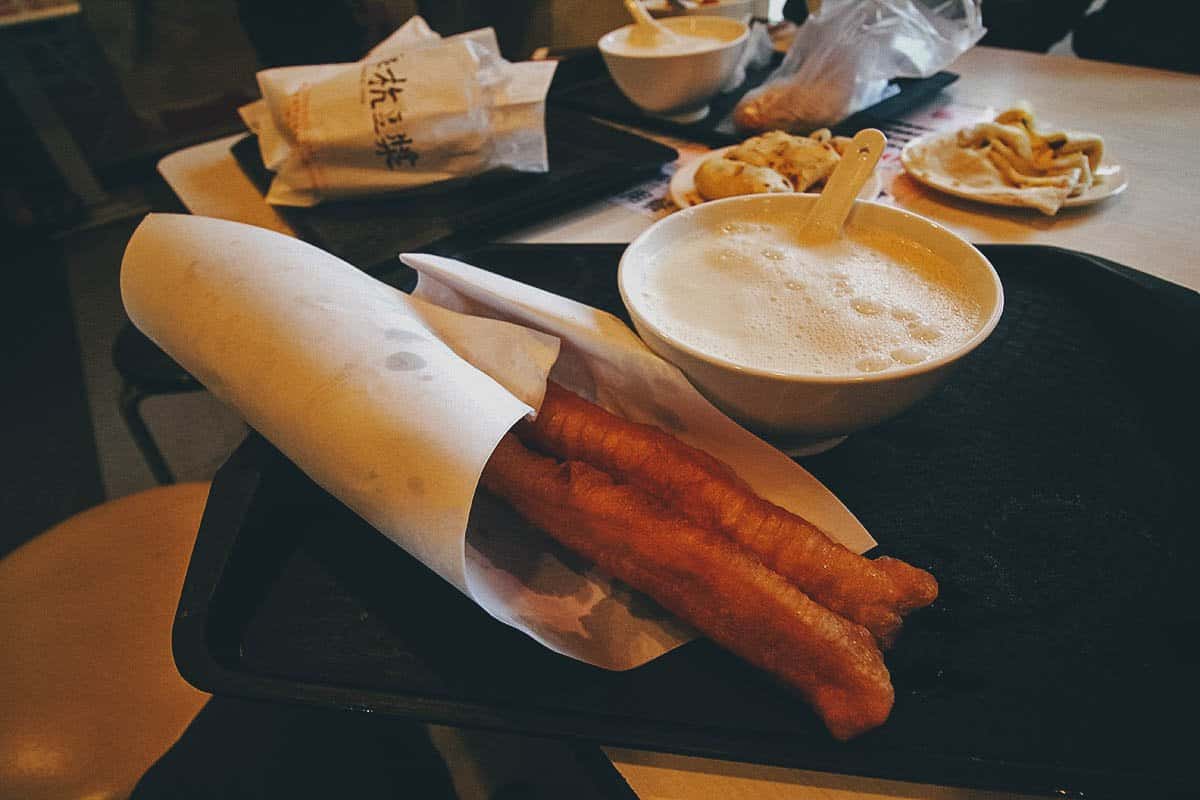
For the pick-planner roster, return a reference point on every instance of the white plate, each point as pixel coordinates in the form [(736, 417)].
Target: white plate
[(1111, 179), (683, 183)]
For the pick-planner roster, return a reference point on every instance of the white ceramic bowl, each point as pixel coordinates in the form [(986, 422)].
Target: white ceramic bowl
[(676, 84), (806, 413)]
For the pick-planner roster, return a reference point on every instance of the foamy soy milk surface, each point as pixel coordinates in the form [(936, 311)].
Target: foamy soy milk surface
[(751, 293), (624, 42)]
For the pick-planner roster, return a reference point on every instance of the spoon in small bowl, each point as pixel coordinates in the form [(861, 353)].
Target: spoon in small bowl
[(824, 222), (648, 32)]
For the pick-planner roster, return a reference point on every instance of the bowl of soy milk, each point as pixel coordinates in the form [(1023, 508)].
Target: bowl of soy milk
[(675, 75), (805, 342)]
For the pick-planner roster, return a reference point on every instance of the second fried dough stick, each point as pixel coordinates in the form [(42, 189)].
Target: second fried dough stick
[(874, 593), (703, 578)]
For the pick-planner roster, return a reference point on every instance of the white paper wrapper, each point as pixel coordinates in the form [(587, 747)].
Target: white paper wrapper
[(418, 109), (394, 403)]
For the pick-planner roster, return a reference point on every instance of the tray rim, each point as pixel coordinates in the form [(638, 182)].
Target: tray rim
[(201, 668)]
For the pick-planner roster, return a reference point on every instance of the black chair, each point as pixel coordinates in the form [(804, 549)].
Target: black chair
[(146, 371)]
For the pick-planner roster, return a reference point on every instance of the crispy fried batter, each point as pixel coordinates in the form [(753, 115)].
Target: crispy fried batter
[(724, 177), (800, 159), (872, 593), (705, 579)]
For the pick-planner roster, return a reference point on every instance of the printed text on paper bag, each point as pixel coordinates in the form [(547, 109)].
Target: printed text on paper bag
[(381, 91)]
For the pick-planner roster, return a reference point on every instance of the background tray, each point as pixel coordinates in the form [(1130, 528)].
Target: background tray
[(588, 160), (601, 97), (1049, 485)]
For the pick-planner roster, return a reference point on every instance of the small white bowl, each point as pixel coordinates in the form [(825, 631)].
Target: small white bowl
[(676, 85), (801, 413)]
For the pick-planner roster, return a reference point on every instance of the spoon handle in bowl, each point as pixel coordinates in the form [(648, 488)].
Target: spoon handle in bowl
[(640, 15), (841, 190)]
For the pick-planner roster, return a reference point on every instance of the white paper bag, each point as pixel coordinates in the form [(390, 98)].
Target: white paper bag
[(417, 110)]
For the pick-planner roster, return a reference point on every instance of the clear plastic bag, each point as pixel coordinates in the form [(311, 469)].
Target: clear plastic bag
[(844, 56)]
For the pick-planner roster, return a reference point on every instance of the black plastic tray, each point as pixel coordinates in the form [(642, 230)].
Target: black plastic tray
[(1050, 485), (588, 160), (601, 97)]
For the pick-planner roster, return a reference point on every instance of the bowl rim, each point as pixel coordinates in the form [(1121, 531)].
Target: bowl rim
[(714, 3), (718, 45), (891, 374), (717, 3)]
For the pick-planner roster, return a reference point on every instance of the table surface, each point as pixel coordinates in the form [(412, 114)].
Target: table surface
[(1148, 119)]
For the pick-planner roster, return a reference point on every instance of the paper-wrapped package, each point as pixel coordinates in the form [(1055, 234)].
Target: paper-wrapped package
[(394, 403), (418, 109)]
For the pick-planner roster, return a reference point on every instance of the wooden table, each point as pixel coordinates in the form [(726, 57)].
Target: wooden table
[(1149, 120)]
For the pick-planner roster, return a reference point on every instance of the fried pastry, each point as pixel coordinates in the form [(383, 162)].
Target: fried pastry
[(1007, 160), (1044, 168), (803, 161), (874, 593), (704, 578), (1015, 137), (773, 162), (724, 177), (1061, 142)]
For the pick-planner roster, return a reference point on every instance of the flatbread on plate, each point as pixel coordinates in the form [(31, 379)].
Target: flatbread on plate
[(1007, 161)]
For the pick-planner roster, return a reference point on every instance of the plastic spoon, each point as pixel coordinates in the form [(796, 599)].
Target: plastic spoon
[(647, 32), (833, 205)]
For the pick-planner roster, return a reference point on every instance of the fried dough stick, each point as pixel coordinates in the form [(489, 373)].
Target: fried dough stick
[(703, 578), (874, 593)]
